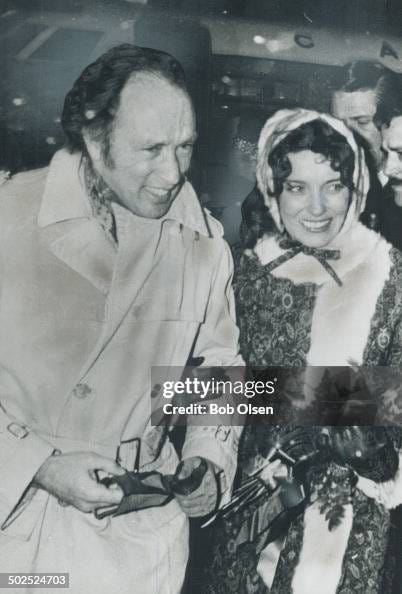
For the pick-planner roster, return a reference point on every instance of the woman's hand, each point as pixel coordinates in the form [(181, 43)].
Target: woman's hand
[(273, 471), (351, 443)]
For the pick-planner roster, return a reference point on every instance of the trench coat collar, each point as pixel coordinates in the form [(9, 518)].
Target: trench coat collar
[(65, 197)]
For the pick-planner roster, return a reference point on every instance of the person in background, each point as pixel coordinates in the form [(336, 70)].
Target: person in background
[(390, 116), (109, 266), (360, 89)]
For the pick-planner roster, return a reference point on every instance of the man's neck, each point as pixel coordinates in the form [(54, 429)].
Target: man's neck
[(96, 184), (101, 197)]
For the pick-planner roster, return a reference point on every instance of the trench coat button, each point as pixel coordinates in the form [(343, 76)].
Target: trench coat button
[(81, 391), (19, 431)]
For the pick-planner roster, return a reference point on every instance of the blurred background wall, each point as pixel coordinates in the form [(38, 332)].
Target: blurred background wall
[(244, 59)]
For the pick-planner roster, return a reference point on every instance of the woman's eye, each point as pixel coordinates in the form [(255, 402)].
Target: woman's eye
[(294, 188), (335, 187)]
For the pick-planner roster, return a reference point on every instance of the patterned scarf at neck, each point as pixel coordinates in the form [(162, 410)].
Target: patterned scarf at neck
[(101, 197), (295, 247)]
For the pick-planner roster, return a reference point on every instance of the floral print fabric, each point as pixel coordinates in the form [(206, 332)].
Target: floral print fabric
[(275, 316)]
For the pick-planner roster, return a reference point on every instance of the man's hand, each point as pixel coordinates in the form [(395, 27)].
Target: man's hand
[(72, 479), (203, 500)]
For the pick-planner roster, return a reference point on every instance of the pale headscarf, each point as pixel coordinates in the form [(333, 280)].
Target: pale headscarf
[(276, 129)]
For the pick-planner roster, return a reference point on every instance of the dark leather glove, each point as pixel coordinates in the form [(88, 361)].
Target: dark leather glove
[(150, 489)]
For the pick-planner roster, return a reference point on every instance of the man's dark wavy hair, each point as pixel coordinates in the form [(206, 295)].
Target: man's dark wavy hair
[(92, 102), (364, 75), (361, 75), (316, 136)]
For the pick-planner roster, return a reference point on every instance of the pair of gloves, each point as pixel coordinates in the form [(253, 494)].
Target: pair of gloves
[(142, 490)]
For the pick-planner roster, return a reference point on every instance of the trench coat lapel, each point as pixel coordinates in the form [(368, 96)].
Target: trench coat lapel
[(75, 237), (68, 226), (149, 244), (83, 246), (143, 244)]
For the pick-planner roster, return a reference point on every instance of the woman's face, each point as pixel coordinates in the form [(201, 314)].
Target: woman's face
[(314, 201)]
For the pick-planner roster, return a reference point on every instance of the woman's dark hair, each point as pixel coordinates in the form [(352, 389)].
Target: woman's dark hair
[(92, 102), (316, 136)]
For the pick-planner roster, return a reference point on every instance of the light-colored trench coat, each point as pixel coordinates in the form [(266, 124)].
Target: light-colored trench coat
[(82, 321)]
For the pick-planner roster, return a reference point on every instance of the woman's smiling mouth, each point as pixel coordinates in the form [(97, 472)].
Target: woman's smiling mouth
[(316, 226)]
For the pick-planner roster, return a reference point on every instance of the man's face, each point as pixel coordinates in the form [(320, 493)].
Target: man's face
[(392, 147), (358, 110), (150, 146)]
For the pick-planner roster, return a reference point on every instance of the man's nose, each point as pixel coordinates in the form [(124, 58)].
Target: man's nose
[(392, 166), (169, 169), (317, 202)]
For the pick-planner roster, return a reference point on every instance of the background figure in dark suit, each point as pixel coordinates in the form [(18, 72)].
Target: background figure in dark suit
[(391, 217), (361, 89)]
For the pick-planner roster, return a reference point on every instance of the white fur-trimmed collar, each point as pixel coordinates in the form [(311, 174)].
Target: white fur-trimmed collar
[(356, 246), (342, 315)]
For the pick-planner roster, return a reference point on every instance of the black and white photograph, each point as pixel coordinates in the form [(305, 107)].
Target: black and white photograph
[(201, 296)]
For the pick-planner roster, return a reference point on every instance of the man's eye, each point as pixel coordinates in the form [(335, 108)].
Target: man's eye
[(187, 147), (154, 149), (364, 121)]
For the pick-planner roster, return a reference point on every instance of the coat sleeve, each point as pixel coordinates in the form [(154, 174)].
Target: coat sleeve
[(22, 452), (217, 343)]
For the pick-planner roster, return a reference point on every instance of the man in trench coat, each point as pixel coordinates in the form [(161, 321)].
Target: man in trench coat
[(108, 266)]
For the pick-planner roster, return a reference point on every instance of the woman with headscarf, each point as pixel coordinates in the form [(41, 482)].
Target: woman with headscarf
[(314, 287)]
